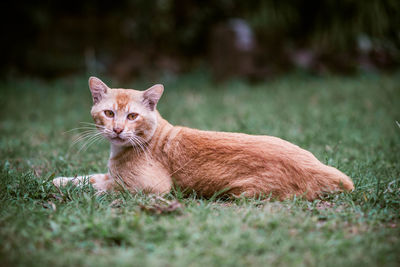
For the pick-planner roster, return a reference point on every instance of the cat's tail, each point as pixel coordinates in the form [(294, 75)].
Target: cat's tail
[(339, 181), (328, 180)]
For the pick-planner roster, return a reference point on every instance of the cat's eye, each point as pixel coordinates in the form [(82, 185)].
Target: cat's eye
[(132, 116), (109, 113)]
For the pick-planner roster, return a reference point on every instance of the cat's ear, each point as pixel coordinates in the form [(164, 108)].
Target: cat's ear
[(152, 95), (97, 88)]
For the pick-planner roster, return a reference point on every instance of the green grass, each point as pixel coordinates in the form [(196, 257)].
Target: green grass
[(349, 123)]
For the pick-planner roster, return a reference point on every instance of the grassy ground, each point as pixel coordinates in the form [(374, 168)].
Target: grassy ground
[(349, 123)]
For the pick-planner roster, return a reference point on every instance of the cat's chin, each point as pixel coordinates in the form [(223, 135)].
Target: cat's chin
[(119, 141)]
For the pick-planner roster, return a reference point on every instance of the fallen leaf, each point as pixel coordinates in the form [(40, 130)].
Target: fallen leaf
[(49, 205)]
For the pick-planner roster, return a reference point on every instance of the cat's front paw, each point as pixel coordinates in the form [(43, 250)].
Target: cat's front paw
[(62, 181)]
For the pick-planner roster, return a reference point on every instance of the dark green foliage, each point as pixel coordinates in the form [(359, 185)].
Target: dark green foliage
[(53, 38)]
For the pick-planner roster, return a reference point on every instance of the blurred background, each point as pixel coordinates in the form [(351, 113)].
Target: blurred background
[(254, 40)]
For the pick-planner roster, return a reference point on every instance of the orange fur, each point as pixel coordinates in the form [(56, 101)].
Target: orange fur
[(204, 161), (122, 100)]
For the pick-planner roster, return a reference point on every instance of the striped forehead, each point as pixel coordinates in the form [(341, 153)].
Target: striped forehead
[(122, 100), (125, 99)]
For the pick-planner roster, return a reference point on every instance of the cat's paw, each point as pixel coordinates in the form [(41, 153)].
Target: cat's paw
[(62, 181)]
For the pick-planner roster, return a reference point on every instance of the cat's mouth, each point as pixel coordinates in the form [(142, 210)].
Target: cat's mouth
[(118, 139)]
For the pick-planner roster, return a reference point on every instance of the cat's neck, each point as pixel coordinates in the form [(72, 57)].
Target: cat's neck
[(116, 150), (161, 132)]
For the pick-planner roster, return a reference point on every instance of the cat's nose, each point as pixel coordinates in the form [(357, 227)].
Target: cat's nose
[(117, 130)]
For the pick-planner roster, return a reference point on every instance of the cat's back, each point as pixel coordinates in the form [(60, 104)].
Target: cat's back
[(228, 142)]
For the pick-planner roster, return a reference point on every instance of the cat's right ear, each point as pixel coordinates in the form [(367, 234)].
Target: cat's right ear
[(97, 88), (152, 95)]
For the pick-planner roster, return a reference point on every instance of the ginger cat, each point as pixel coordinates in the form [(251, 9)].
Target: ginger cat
[(150, 154)]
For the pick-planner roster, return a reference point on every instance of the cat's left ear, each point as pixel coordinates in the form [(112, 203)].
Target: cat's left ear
[(152, 95), (97, 88)]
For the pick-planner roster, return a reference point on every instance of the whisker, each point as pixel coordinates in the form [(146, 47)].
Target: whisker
[(80, 128), (86, 142), (89, 123), (84, 135), (133, 145), (85, 139), (89, 131), (90, 142), (142, 146), (137, 146)]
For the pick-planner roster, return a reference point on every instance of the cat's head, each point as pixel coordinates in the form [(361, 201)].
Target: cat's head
[(124, 116)]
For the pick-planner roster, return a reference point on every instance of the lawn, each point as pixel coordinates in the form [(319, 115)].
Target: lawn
[(347, 122)]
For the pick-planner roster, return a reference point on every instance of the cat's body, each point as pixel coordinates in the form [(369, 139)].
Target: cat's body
[(204, 161)]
